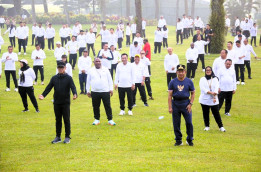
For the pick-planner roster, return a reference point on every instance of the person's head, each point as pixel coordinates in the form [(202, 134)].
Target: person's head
[(184, 15), (161, 17), (91, 31), (249, 16), (223, 54), (64, 58), (145, 41), (34, 24), (137, 34), (189, 17), (73, 38), (158, 29), (111, 30), (76, 24), (50, 25), (228, 63), (199, 38), (181, 71), (238, 43), (61, 67), (239, 37), (105, 46), (178, 20), (37, 47), (254, 24), (135, 43), (10, 49), (170, 50), (58, 44), (124, 58), (24, 23), (209, 72), (21, 24), (198, 32), (23, 63), (197, 17), (246, 20), (165, 27), (81, 32), (208, 26), (239, 32), (246, 41), (64, 25), (128, 24), (40, 25), (104, 27), (137, 59), (85, 52), (112, 48), (192, 45), (142, 53), (229, 45), (97, 63)]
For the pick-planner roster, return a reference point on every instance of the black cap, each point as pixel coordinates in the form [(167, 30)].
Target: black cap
[(81, 30), (181, 67), (239, 35), (60, 64)]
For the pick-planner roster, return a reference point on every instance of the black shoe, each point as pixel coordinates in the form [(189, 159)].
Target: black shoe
[(56, 140), (146, 104), (249, 77), (25, 110), (37, 111), (151, 98), (82, 92), (190, 143), (66, 140), (178, 143)]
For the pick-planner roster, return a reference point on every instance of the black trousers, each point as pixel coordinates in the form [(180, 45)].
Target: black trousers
[(40, 41), (96, 102), (120, 43), (7, 78), (26, 41), (21, 42), (253, 38), (144, 33), (12, 41), (185, 33), (215, 112), (191, 70), (83, 82), (190, 31), (24, 91), (246, 33), (72, 59), (69, 38), (33, 39), (227, 96), (102, 44), (207, 47), (127, 39), (247, 64), (201, 57), (2, 25), (64, 41), (179, 35), (157, 47), (62, 111), (148, 86), (241, 68), (133, 36), (81, 50), (165, 42), (142, 93), (91, 46), (113, 68), (41, 69), (170, 76), (122, 92), (51, 43)]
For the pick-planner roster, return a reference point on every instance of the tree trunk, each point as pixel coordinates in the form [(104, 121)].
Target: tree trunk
[(177, 10), (93, 6), (217, 21), (66, 11), (18, 7), (128, 8), (33, 12), (45, 6), (138, 17), (102, 9), (193, 9), (157, 6), (186, 7)]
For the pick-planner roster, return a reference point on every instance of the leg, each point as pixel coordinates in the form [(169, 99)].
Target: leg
[(58, 117), (176, 115), (81, 82), (121, 92), (106, 99), (35, 68), (41, 69), (194, 67), (19, 45), (142, 93), (159, 44), (23, 43), (30, 92), (85, 82), (66, 119), (155, 47), (49, 44), (134, 94), (237, 71), (188, 69), (242, 75), (74, 60), (205, 109), (96, 102), (228, 102), (216, 115), (129, 97), (247, 63), (148, 86), (168, 79), (93, 50), (202, 61), (70, 58), (177, 37), (7, 78), (189, 126), (13, 73), (22, 92)]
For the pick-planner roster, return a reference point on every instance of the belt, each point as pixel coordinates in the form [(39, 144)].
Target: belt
[(180, 99)]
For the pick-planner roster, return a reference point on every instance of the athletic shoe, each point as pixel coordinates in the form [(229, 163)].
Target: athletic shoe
[(178, 143), (130, 113), (222, 129), (37, 111), (35, 83), (192, 79), (24, 53), (19, 53), (190, 143), (96, 122), (122, 112), (66, 140), (228, 114), (203, 70), (111, 122), (25, 110), (151, 98), (206, 129), (146, 104), (242, 83), (134, 105), (249, 77), (238, 82), (7, 89), (42, 83), (56, 140), (16, 89)]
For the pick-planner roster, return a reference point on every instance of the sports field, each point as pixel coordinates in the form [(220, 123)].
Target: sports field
[(140, 142)]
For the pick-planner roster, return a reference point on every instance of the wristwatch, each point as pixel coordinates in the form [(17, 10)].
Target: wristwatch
[(191, 103)]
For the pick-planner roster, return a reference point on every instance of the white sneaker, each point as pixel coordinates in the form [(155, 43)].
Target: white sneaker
[(134, 105), (7, 89), (122, 112), (96, 122), (42, 83), (228, 114), (16, 89), (24, 53), (111, 122), (130, 112), (222, 129), (35, 83), (238, 82), (192, 79), (203, 70), (242, 83), (206, 129), (19, 53)]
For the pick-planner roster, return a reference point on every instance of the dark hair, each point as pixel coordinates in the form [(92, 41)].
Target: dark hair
[(64, 56), (208, 25), (228, 60), (10, 47), (165, 28), (225, 51), (212, 74), (124, 54), (36, 45), (230, 42), (73, 36), (239, 31), (145, 39), (238, 42), (135, 43)]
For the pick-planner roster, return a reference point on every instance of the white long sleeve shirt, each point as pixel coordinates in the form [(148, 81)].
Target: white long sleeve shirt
[(63, 33), (232, 56), (161, 23), (227, 79), (1, 41), (81, 39), (124, 76), (158, 36), (84, 63), (68, 69), (253, 31), (146, 63), (218, 64), (239, 52), (171, 61), (179, 26), (29, 77), (50, 33), (227, 22), (200, 45), (105, 35), (40, 32), (90, 38), (139, 40), (58, 52), (237, 23), (140, 71), (72, 47), (10, 63), (185, 22), (197, 22), (41, 55), (106, 62), (99, 80), (165, 33), (34, 29), (206, 86), (128, 30), (133, 28), (21, 32), (134, 50), (26, 30), (249, 50), (192, 54), (75, 30), (116, 57), (12, 33), (143, 24), (112, 40), (246, 26)]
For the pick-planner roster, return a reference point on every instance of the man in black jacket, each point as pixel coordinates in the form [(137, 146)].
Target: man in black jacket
[(62, 84), (195, 37)]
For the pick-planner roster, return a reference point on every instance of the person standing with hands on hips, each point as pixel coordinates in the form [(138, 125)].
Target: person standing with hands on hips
[(62, 84), (180, 89)]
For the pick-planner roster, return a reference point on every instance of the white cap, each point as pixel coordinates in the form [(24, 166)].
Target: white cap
[(58, 42), (23, 60)]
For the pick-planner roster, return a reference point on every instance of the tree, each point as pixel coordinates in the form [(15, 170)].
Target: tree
[(193, 8), (17, 6), (66, 11), (177, 10), (128, 8), (138, 18), (186, 7), (33, 12), (217, 21), (45, 6), (157, 6), (103, 9)]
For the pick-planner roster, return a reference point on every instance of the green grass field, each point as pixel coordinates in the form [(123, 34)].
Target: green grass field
[(137, 143)]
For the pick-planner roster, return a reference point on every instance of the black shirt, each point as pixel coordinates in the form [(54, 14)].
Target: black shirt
[(206, 33), (195, 37), (62, 84)]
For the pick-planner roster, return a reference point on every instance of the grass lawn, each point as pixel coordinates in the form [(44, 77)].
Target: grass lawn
[(137, 143)]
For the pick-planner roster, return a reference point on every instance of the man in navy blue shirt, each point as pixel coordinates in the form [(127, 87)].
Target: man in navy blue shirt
[(181, 88)]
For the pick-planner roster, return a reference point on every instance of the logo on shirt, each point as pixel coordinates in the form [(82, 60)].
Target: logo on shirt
[(180, 87)]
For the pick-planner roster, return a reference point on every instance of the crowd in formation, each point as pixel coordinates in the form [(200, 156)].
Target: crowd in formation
[(132, 70)]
